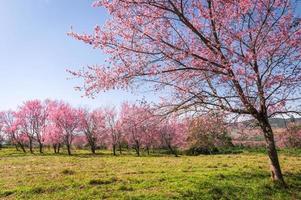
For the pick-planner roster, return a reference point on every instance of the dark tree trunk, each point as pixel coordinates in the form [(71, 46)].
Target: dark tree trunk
[(30, 146), (271, 149), (173, 151), (147, 149), (93, 148), (69, 149), (137, 148), (16, 145), (114, 149), (137, 151), (58, 148), (54, 148), (22, 147), (41, 147)]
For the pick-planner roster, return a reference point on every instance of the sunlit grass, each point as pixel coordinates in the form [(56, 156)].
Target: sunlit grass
[(83, 176)]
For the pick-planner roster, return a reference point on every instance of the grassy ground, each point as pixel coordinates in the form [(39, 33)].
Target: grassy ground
[(82, 176)]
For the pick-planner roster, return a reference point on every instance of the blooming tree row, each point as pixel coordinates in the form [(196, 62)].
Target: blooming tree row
[(55, 123)]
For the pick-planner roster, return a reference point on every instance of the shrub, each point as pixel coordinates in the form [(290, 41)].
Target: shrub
[(207, 135), (292, 137)]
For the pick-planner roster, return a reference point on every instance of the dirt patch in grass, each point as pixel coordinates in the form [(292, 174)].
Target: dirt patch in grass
[(102, 181), (68, 172)]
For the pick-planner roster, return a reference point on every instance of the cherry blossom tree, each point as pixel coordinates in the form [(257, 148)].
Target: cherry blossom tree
[(10, 129), (93, 126), (32, 116), (113, 130), (53, 136), (173, 134), (22, 127), (140, 126), (131, 126), (135, 119), (242, 56), (149, 126), (66, 119), (151, 136)]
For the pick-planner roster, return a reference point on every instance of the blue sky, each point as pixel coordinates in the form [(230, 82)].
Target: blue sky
[(35, 52)]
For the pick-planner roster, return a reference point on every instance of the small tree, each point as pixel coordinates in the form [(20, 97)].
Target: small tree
[(66, 119), (10, 127), (207, 134), (114, 130), (291, 138), (173, 134), (32, 116), (93, 126), (137, 125), (131, 126), (53, 136)]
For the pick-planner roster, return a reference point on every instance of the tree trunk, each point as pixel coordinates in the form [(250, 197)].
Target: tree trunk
[(54, 148), (93, 148), (272, 152), (173, 151), (22, 147), (41, 147), (16, 145), (147, 149), (137, 148), (58, 148), (138, 151), (68, 149), (30, 146)]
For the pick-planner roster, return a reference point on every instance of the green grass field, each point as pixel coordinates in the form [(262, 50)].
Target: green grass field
[(83, 176)]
